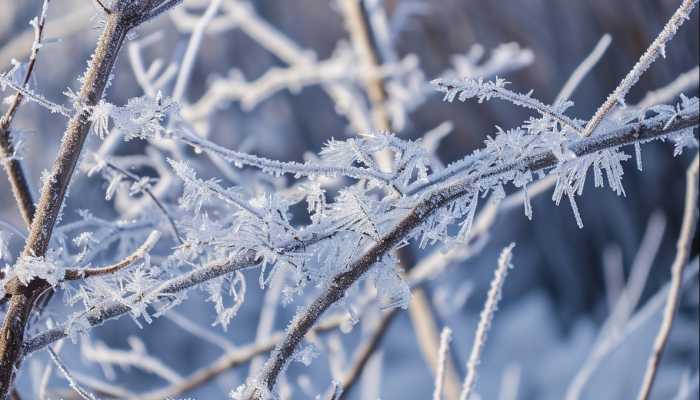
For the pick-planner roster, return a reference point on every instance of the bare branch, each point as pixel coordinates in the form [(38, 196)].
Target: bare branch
[(364, 353), (645, 131)]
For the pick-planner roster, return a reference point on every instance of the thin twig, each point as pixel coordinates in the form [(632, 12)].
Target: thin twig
[(147, 190), (487, 313), (10, 161), (657, 47), (683, 250), (103, 7), (445, 338), (364, 353), (138, 254), (61, 367)]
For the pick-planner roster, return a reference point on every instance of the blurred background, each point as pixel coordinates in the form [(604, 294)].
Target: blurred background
[(554, 300)]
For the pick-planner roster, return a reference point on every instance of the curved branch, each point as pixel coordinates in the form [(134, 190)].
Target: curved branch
[(141, 252)]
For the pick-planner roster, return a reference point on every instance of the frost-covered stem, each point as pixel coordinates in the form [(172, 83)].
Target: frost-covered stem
[(134, 178), (657, 47), (282, 167), (140, 253), (487, 313), (652, 128), (13, 168), (445, 338), (117, 24), (683, 250), (73, 384), (476, 88), (364, 353)]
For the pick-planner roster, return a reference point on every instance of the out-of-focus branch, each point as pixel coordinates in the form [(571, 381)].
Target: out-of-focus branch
[(357, 23), (685, 81), (584, 68), (364, 353), (683, 250), (605, 345)]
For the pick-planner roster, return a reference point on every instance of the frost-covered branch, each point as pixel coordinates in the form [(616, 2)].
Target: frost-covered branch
[(445, 338), (125, 16), (140, 253), (648, 130), (492, 299), (683, 251), (656, 48), (9, 145), (486, 90), (69, 377)]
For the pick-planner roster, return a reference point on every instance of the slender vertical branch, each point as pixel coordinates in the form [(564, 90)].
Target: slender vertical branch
[(657, 48), (490, 307), (13, 168), (444, 350), (683, 250)]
